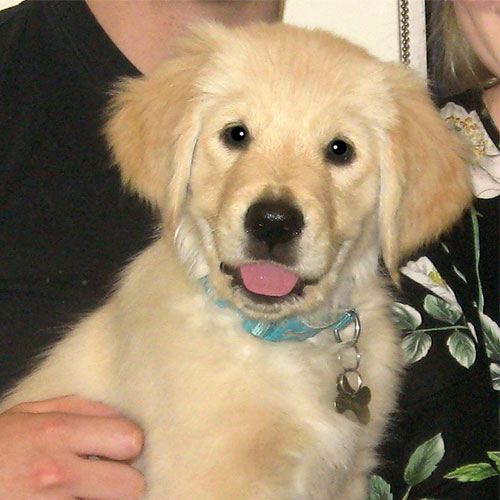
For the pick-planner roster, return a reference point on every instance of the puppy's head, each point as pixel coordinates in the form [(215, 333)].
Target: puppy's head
[(288, 154)]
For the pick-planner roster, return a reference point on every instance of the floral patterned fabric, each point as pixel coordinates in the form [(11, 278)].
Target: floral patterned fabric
[(448, 313)]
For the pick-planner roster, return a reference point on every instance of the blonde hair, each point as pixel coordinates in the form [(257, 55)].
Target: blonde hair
[(455, 67)]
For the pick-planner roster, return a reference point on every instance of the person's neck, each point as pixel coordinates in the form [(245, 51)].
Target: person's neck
[(491, 98), (144, 29)]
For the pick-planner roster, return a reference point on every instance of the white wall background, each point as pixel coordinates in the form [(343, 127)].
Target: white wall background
[(372, 23), (8, 3)]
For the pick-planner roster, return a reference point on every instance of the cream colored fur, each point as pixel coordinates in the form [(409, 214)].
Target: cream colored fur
[(226, 415)]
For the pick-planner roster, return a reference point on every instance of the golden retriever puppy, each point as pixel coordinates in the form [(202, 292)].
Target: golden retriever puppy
[(253, 340)]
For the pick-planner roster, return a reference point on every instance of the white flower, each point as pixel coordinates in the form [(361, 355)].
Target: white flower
[(425, 273), (486, 182), (485, 170)]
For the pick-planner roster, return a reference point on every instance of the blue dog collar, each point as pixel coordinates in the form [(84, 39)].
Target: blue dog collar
[(292, 328)]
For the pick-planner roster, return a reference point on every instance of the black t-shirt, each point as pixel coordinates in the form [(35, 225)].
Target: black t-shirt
[(66, 225)]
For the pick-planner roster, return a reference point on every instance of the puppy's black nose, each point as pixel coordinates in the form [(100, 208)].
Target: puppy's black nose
[(273, 222)]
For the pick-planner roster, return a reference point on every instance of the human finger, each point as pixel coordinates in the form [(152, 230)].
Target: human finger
[(115, 438), (107, 480), (66, 404)]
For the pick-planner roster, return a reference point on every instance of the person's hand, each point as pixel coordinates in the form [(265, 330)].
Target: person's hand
[(45, 445)]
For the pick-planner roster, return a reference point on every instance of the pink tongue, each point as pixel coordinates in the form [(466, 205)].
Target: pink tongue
[(268, 279)]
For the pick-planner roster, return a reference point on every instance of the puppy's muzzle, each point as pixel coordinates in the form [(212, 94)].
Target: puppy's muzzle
[(273, 226)]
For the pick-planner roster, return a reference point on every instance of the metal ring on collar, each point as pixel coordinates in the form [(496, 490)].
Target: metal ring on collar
[(352, 316), (345, 385), (347, 355)]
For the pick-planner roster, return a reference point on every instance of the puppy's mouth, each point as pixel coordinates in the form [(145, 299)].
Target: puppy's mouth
[(266, 282)]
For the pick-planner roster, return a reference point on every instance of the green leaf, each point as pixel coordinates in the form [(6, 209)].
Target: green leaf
[(416, 346), (378, 489), (462, 348), (472, 473), (491, 337), (424, 460), (494, 456), (406, 317), (495, 375), (460, 274), (445, 248), (439, 309)]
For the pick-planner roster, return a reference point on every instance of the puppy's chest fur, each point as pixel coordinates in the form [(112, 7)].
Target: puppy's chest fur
[(226, 415), (214, 390)]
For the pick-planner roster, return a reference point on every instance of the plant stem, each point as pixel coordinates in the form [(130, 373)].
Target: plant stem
[(475, 227), (407, 494), (443, 328)]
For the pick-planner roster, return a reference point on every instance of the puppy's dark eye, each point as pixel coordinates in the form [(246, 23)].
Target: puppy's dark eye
[(235, 136), (339, 152)]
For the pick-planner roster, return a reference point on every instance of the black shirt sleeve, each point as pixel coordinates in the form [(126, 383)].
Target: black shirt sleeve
[(66, 225)]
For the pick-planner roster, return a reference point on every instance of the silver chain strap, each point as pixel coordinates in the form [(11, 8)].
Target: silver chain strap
[(353, 397), (404, 31)]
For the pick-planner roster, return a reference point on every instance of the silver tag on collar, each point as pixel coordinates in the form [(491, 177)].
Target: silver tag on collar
[(353, 401)]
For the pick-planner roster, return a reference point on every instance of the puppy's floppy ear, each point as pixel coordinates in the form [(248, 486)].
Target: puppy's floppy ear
[(154, 123), (425, 179)]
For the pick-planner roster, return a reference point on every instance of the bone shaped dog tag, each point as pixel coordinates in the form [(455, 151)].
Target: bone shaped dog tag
[(353, 401)]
